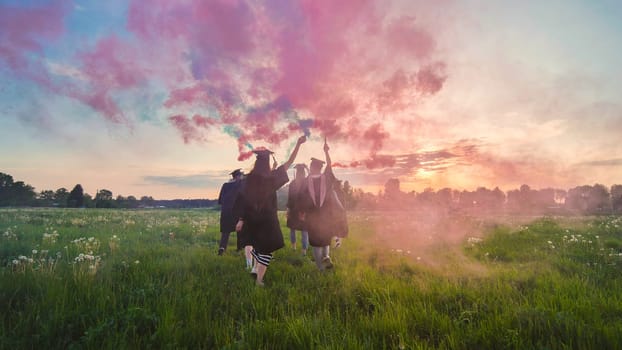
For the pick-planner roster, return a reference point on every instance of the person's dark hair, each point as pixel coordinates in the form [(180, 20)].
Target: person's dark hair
[(258, 190)]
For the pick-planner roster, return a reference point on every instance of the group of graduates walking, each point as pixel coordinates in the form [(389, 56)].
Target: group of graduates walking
[(249, 207)]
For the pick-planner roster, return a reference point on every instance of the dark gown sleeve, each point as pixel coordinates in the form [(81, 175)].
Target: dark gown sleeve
[(239, 202), (280, 177), (220, 195)]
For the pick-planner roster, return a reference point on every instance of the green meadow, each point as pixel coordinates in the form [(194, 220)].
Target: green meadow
[(115, 279)]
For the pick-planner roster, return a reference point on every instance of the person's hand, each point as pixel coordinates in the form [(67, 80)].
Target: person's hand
[(302, 139), (238, 226), (302, 216)]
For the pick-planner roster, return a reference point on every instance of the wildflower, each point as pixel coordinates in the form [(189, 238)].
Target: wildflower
[(34, 251), (15, 262), (137, 262)]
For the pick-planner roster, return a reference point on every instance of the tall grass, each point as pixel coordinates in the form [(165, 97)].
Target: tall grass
[(152, 279)]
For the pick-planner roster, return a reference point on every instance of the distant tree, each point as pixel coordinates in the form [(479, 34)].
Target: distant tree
[(146, 201), (589, 199), (120, 202), (6, 184), (392, 189), (46, 198), (132, 202), (129, 202), (498, 198), (15, 193), (60, 197), (560, 196), (22, 194), (76, 197), (103, 199), (576, 200), (599, 201)]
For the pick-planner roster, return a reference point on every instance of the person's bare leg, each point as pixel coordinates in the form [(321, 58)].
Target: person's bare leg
[(261, 271), (249, 256)]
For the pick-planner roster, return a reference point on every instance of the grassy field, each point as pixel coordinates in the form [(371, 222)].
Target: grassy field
[(112, 279)]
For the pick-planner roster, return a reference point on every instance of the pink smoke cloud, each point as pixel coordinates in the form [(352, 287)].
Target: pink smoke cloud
[(25, 29), (405, 35), (260, 71)]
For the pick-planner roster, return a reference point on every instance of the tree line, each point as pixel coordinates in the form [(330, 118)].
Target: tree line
[(18, 194), (582, 200), (594, 199)]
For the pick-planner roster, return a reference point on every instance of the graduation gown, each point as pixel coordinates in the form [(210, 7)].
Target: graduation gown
[(226, 199), (261, 227), (324, 213), (293, 205)]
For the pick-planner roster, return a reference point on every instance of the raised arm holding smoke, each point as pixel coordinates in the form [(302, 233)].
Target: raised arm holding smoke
[(292, 157)]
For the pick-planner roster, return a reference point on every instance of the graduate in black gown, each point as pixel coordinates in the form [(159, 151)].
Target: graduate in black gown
[(257, 208), (321, 209), (226, 199)]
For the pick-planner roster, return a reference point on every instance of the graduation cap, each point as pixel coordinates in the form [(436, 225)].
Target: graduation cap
[(300, 168), (317, 162), (236, 172), (262, 152)]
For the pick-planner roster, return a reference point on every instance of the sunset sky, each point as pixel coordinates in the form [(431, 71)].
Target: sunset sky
[(165, 98)]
